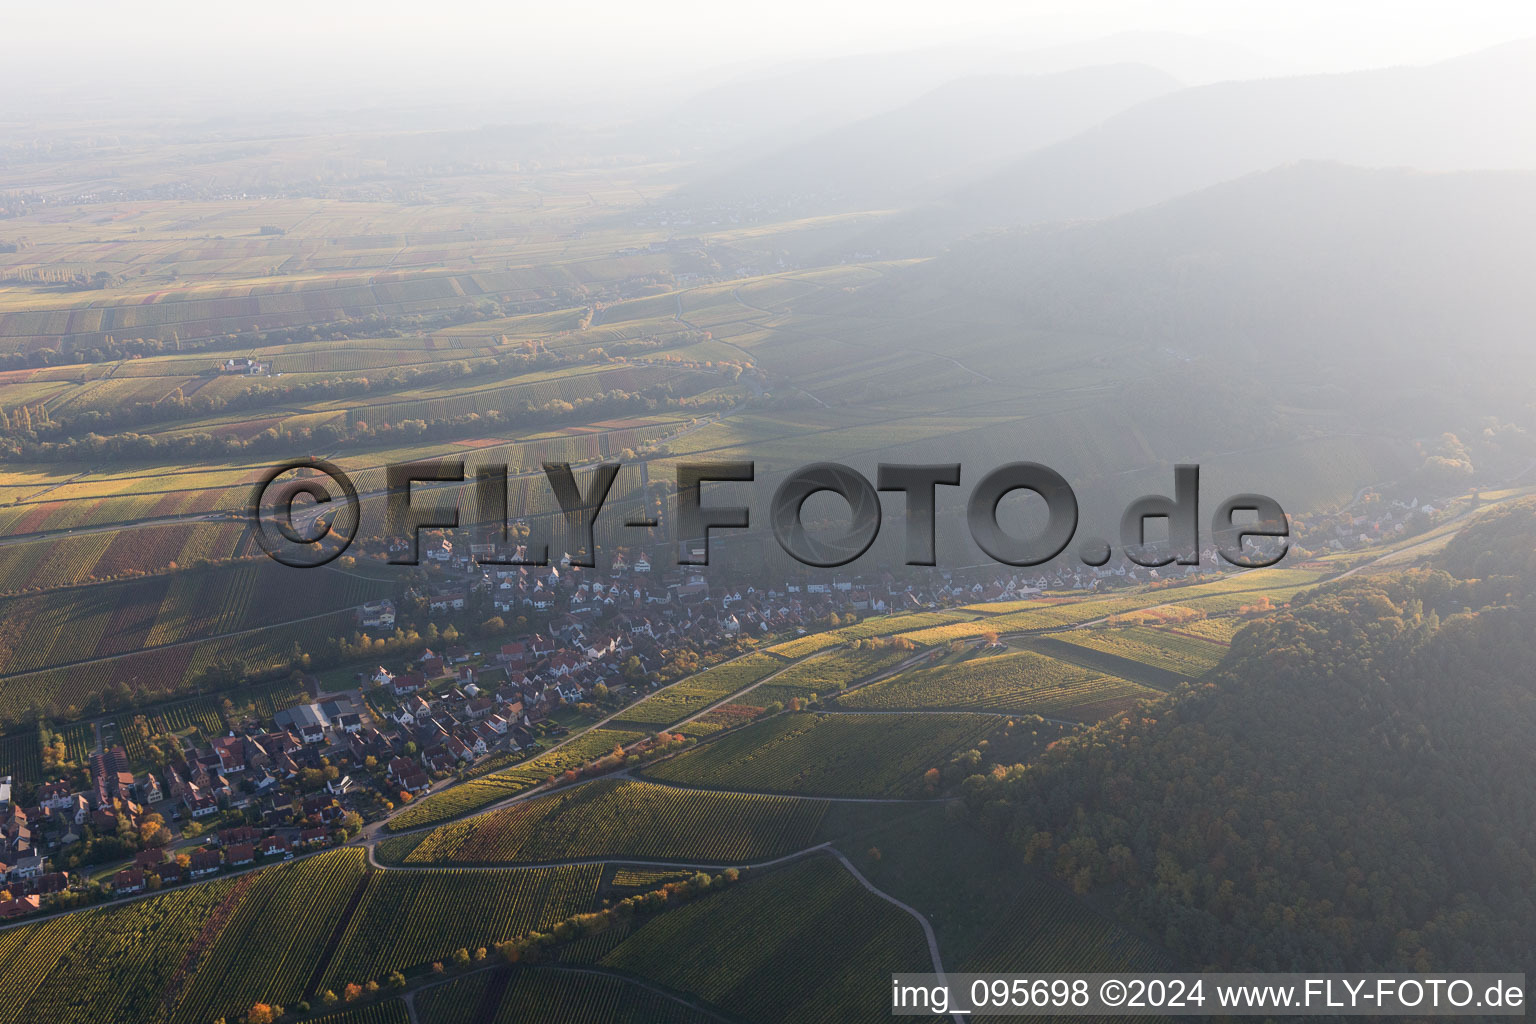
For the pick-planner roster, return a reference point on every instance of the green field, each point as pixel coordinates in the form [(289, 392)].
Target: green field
[(827, 755), (1158, 648), (410, 918), (827, 673), (534, 995), (112, 963), (1020, 681), (622, 817), (806, 922), (21, 756), (470, 796), (272, 937), (696, 692)]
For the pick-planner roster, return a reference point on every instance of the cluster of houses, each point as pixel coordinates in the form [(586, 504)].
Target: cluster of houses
[(235, 847), (638, 601), (246, 365), (1373, 524), (233, 770), (24, 874), (458, 724), (252, 771), (58, 817)]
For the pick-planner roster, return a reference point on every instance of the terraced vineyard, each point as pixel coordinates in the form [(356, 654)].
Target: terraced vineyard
[(1218, 631), (386, 1011), (206, 713), (470, 796), (800, 646), (1021, 681), (832, 671), (112, 963), (460, 1000), (827, 755), (804, 923), (686, 696), (623, 817), (408, 918), (1048, 928), (535, 995), (645, 878), (1156, 647), (272, 938), (21, 757), (889, 625)]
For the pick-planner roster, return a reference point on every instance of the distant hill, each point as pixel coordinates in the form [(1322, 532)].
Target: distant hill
[(757, 112), (1312, 298), (1313, 256), (956, 132), (1473, 112)]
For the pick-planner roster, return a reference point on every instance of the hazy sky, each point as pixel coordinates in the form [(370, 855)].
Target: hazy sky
[(346, 53)]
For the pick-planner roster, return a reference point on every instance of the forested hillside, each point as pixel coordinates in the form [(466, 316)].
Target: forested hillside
[(1350, 790)]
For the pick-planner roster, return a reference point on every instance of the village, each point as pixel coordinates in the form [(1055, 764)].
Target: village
[(315, 774)]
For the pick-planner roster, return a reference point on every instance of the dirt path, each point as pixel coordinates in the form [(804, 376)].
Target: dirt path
[(675, 865), (933, 942)]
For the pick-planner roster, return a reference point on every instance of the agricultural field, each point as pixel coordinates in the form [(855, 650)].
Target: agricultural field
[(111, 963), (873, 627), (626, 818), (1159, 648), (806, 921), (645, 878), (205, 715), (1217, 631), (79, 740), (464, 798), (385, 1011), (1047, 927), (470, 796), (724, 716), (828, 754), (409, 918), (533, 995), (1022, 682), (833, 671), (1140, 671), (889, 625), (21, 756), (59, 650), (271, 938), (800, 646), (461, 1000), (698, 691)]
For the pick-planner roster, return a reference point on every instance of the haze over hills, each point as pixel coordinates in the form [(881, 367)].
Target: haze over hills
[(1321, 257), (1315, 298), (753, 114), (1473, 112), (956, 132)]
